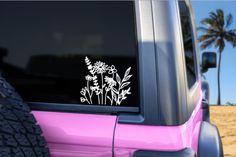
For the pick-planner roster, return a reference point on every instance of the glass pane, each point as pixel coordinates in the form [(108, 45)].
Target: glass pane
[(70, 52), (188, 43)]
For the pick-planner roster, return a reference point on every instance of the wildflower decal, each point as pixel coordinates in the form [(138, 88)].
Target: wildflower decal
[(105, 84)]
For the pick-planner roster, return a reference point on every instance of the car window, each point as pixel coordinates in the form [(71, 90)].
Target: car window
[(187, 36), (70, 52)]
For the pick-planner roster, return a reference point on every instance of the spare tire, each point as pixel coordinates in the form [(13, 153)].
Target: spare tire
[(20, 136)]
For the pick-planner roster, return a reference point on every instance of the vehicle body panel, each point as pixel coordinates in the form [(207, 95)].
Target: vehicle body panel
[(80, 135), (70, 134), (170, 138)]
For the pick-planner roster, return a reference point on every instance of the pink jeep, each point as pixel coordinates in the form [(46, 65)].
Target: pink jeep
[(103, 79)]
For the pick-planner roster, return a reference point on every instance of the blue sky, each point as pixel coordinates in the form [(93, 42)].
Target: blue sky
[(228, 66)]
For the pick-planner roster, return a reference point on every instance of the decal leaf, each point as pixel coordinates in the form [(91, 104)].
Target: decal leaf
[(114, 97), (127, 78), (127, 72), (124, 85), (118, 78), (115, 90)]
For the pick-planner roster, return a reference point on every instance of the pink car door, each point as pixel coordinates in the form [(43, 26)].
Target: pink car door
[(77, 135)]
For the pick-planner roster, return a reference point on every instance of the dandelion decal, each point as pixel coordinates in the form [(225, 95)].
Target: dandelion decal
[(105, 84), (100, 67)]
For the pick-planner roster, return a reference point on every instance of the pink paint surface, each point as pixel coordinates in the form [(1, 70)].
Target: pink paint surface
[(129, 138), (90, 135), (77, 135)]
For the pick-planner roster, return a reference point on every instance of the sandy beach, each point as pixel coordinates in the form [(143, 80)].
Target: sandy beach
[(225, 119)]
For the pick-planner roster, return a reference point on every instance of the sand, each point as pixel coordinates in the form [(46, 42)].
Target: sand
[(225, 119)]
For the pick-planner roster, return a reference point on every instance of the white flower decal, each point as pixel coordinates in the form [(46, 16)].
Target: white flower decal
[(111, 69), (112, 88), (100, 67)]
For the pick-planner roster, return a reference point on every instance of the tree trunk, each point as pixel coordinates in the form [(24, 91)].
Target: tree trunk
[(218, 77)]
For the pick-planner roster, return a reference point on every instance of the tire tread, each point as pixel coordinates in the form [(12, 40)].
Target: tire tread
[(20, 136)]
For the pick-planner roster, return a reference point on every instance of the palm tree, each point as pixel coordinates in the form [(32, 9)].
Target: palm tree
[(216, 33)]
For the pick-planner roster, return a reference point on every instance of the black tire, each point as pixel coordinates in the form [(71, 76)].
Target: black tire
[(20, 136), (209, 142)]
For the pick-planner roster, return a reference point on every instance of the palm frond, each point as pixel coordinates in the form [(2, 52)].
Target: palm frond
[(220, 15), (208, 43), (205, 37), (203, 29), (233, 30), (232, 33), (231, 38), (207, 30), (207, 22), (211, 23), (213, 15), (229, 20)]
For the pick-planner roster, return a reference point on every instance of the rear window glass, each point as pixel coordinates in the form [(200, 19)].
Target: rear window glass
[(70, 52), (187, 34)]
